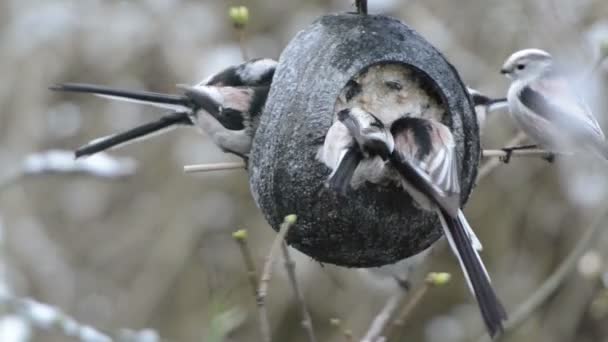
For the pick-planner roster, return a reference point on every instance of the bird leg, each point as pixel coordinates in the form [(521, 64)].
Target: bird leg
[(509, 151)]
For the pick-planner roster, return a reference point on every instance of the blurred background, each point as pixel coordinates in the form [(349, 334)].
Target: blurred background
[(155, 251)]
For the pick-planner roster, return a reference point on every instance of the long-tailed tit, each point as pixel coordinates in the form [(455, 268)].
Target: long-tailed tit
[(484, 105), (356, 137), (225, 106), (546, 107), (424, 158)]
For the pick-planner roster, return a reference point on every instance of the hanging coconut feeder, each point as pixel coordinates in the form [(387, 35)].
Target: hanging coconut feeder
[(373, 225)]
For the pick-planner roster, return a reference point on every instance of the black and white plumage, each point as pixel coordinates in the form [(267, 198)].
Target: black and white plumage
[(357, 135), (225, 106), (546, 107), (423, 162)]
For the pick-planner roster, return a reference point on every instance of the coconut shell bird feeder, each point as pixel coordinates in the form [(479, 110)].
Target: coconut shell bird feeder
[(373, 225)]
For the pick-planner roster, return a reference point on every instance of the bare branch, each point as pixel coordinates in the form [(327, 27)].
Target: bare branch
[(290, 266), (550, 285), (391, 317), (384, 317), (240, 18), (289, 221), (213, 167), (520, 153), (241, 238), (492, 164)]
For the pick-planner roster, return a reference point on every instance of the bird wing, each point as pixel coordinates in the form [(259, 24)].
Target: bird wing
[(432, 156), (553, 99)]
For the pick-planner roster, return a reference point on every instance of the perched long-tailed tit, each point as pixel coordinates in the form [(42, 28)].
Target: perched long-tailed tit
[(484, 105), (225, 106), (546, 106), (356, 136), (424, 158)]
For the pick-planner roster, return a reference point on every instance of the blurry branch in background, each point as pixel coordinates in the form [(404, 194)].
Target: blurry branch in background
[(432, 280), (241, 238), (398, 308), (289, 221), (49, 318), (62, 162), (290, 266), (347, 333), (551, 284), (239, 15), (20, 315), (214, 167), (223, 323)]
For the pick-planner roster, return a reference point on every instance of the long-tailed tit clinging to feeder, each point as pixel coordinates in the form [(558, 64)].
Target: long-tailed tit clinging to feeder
[(424, 158), (224, 106), (546, 107), (356, 136)]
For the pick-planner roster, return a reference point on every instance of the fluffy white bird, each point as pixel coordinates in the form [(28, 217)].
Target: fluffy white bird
[(546, 107)]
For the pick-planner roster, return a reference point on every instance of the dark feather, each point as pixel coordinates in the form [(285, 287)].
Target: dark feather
[(537, 103), (135, 133), (231, 76), (492, 311), (352, 89), (421, 129), (136, 95), (340, 180)]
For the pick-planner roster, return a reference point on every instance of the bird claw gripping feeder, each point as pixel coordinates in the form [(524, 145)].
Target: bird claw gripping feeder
[(373, 225)]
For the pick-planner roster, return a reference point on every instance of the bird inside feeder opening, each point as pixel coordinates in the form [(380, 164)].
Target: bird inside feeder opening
[(388, 91)]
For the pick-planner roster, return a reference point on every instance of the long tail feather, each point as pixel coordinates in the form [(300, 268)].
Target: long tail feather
[(492, 311), (145, 131), (340, 179), (474, 240), (167, 101)]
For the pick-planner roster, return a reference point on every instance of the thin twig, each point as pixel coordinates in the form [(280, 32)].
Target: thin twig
[(241, 238), (242, 36), (347, 333), (391, 317), (213, 167), (384, 317), (240, 18), (492, 164), (290, 266), (406, 310), (289, 221), (548, 287), (520, 153)]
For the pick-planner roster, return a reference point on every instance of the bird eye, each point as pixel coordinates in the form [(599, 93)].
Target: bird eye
[(521, 66), (393, 85)]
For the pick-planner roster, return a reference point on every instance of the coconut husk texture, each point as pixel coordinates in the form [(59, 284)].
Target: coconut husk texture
[(373, 225)]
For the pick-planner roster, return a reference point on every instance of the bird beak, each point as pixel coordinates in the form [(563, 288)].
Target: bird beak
[(504, 71)]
